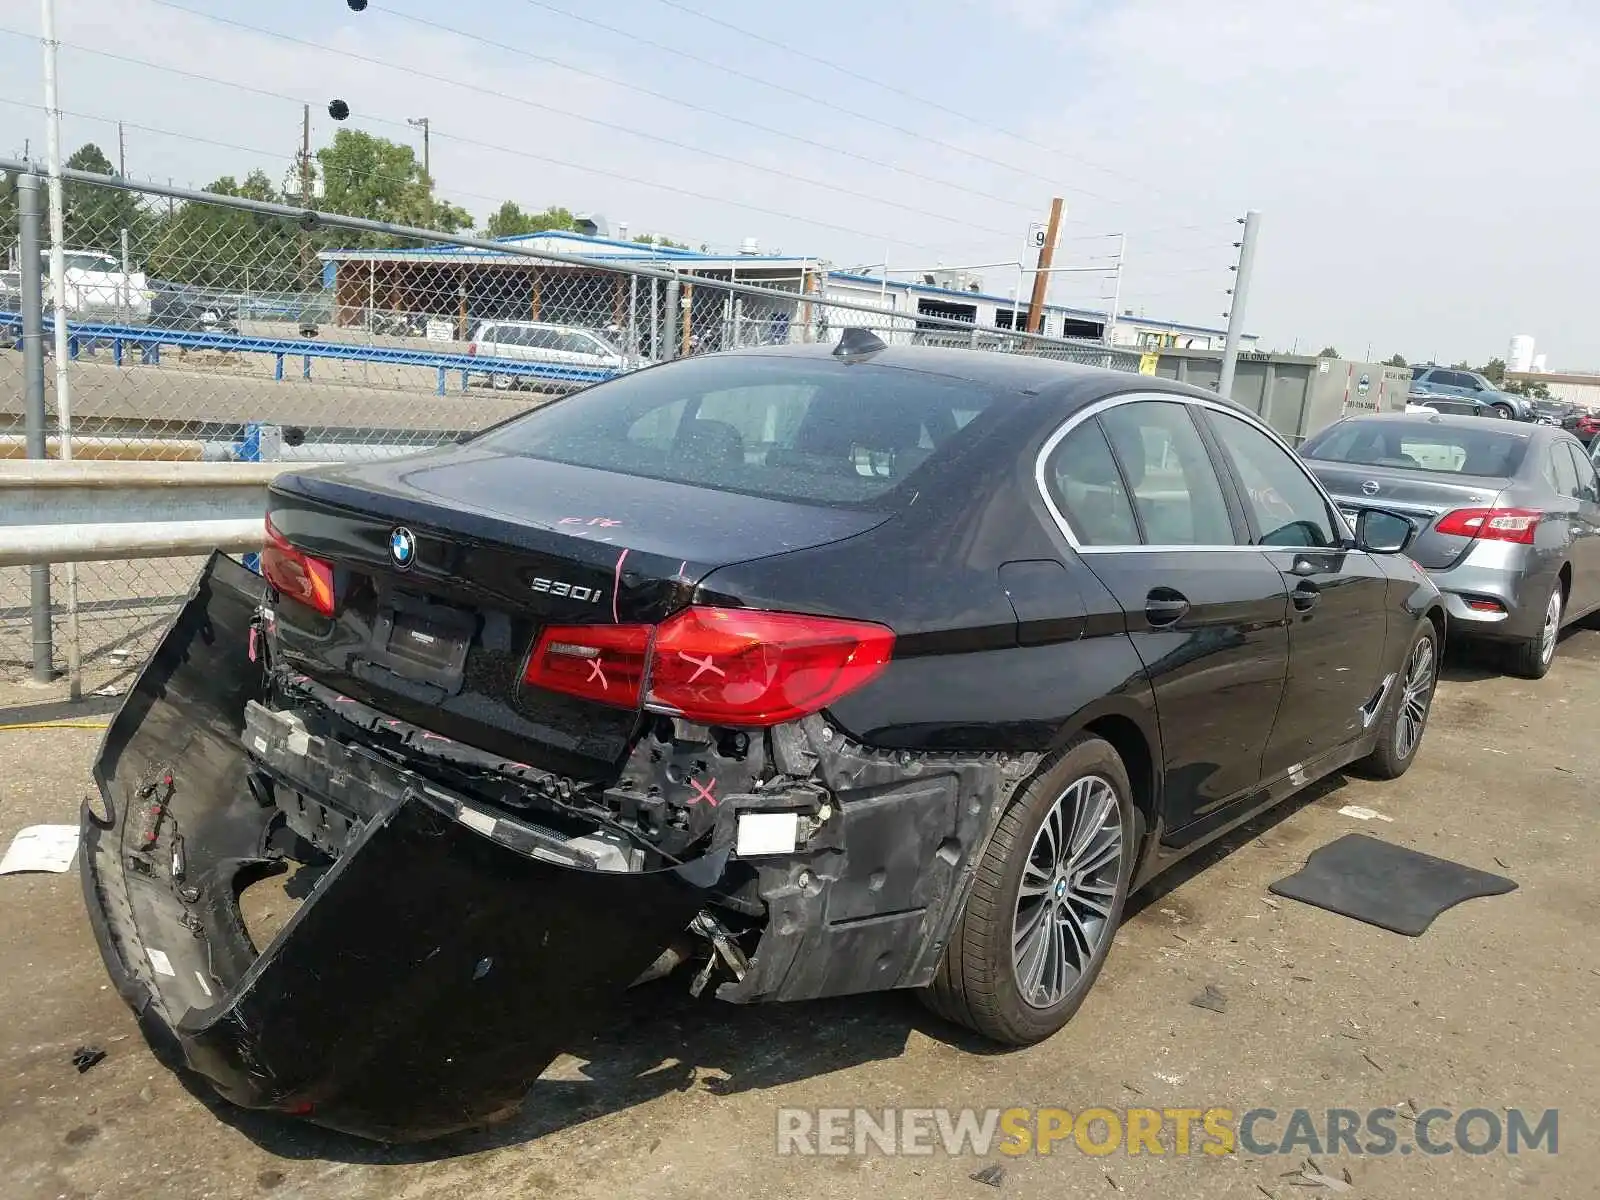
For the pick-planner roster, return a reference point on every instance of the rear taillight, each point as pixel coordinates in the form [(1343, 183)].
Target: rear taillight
[(1492, 524), (594, 662), (297, 574), (737, 666), (715, 666)]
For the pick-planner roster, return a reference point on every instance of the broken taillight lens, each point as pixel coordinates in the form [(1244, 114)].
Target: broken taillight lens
[(715, 666), (593, 662), (297, 574), (1492, 524), (739, 666)]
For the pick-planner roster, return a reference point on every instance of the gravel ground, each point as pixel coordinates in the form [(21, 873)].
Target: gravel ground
[(1492, 1008)]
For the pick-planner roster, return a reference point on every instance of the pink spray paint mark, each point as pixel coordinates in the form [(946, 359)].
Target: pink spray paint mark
[(706, 792), (616, 586)]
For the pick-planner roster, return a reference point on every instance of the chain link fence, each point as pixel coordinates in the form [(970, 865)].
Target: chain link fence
[(226, 327)]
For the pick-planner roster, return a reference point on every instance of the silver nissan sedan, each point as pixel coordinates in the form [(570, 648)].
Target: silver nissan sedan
[(1508, 518)]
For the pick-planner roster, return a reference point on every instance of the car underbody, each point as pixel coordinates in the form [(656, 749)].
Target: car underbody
[(465, 918)]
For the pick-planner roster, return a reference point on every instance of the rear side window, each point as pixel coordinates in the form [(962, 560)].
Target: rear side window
[(791, 429), (1086, 486), (1490, 451), (1561, 472), (1175, 488)]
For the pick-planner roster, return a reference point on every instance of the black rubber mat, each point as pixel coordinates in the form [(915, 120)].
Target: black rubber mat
[(1387, 886)]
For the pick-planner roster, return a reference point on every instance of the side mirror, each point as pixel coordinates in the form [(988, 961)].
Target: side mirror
[(1379, 531)]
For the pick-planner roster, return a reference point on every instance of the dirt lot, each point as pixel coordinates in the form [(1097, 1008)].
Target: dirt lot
[(1494, 1007)]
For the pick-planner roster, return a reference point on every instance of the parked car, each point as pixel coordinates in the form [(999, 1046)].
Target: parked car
[(1509, 518), (181, 307), (97, 287), (829, 671), (1560, 413), (1588, 425), (532, 341), (1430, 380), (1461, 406)]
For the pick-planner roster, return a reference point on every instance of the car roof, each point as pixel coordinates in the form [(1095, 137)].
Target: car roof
[(1074, 382), (533, 325), (1455, 421)]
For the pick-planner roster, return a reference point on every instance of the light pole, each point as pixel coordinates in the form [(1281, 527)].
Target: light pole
[(422, 124)]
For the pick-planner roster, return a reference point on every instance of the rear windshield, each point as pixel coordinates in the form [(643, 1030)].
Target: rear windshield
[(1492, 450), (791, 429)]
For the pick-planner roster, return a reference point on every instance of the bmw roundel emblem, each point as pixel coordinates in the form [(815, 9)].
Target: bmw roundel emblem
[(402, 546)]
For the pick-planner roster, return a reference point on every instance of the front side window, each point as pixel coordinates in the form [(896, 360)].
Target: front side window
[(1288, 508), (1176, 492)]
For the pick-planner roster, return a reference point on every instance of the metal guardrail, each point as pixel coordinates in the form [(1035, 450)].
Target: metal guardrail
[(148, 340), (56, 511)]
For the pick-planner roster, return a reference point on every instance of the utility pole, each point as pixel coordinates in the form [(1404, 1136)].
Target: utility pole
[(305, 157), (306, 271), (1109, 332), (1240, 293), (422, 124), (1047, 253), (122, 153)]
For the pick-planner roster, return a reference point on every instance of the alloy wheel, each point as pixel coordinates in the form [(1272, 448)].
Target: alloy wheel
[(1552, 627), (1069, 885), (1414, 700)]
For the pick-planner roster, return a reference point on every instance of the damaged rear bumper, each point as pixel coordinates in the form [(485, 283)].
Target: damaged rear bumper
[(432, 972)]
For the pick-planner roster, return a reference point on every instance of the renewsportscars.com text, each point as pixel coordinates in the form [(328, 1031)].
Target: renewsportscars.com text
[(1166, 1131)]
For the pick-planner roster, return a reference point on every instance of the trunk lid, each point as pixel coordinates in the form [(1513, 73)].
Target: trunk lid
[(1421, 495), (497, 547)]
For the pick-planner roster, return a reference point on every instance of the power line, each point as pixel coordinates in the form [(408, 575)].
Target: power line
[(809, 97), (909, 95), (576, 116), (497, 44), (439, 133)]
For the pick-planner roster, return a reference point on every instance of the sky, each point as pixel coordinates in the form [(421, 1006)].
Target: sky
[(1425, 169)]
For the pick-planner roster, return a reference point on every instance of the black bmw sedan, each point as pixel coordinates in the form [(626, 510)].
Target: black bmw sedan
[(810, 671)]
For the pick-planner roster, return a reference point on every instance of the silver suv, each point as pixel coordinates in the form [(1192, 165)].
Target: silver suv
[(1473, 387)]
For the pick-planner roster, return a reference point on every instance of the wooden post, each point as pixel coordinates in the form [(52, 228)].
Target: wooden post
[(688, 316), (1047, 253), (462, 332)]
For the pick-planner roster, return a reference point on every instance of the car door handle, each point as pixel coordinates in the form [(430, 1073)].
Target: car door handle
[(1305, 595), (1163, 606)]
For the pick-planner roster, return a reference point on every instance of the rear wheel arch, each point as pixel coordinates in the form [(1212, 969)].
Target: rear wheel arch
[(1138, 757)]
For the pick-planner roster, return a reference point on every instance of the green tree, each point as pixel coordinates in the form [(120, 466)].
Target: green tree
[(1494, 371), (93, 217), (1396, 360), (666, 243), (372, 177), (510, 221), (1534, 389), (1327, 352), (210, 246)]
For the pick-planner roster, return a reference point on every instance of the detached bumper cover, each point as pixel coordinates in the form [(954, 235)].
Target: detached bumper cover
[(431, 974)]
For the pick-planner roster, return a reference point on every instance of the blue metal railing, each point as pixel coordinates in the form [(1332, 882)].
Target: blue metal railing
[(148, 342)]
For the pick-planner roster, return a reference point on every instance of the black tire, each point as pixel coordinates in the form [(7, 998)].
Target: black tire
[(1531, 658), (1405, 714), (977, 982), (1505, 412)]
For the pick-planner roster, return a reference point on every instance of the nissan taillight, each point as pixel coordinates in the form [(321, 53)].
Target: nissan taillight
[(296, 574), (1492, 524), (715, 666)]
